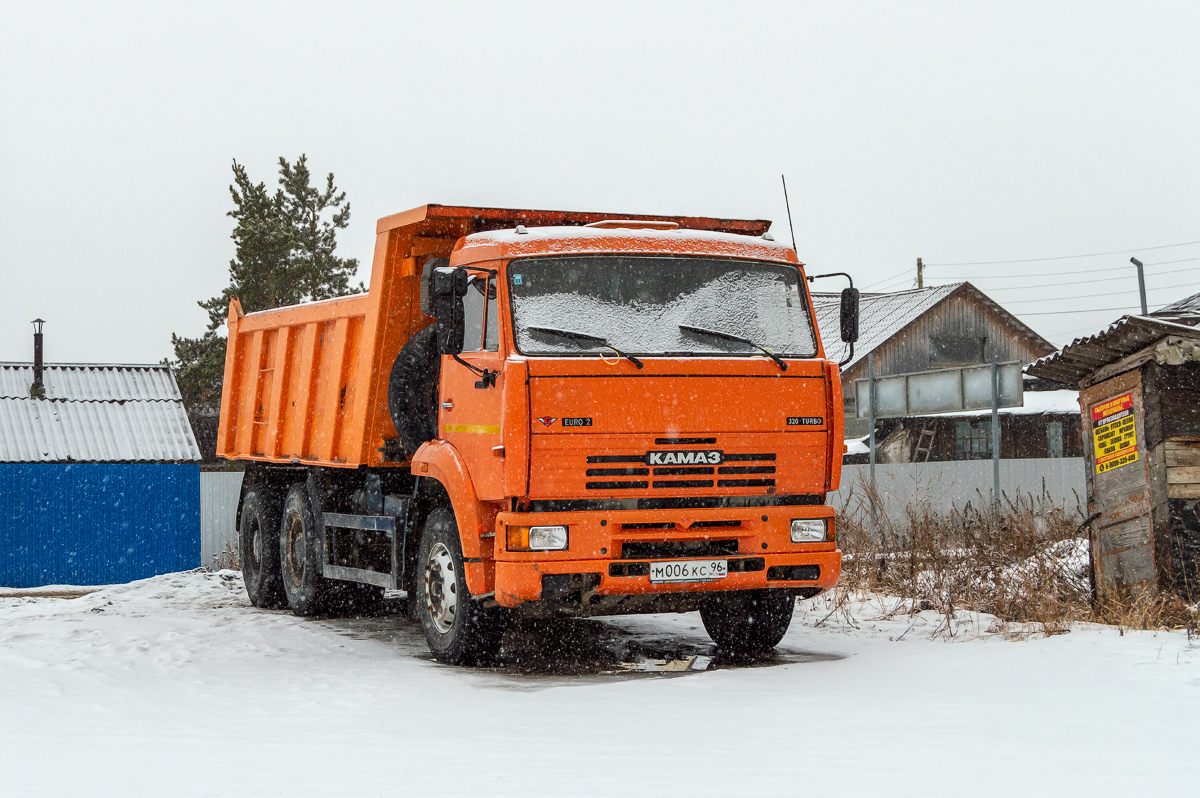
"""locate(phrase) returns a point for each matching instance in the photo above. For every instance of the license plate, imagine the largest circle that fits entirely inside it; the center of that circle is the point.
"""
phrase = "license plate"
(688, 570)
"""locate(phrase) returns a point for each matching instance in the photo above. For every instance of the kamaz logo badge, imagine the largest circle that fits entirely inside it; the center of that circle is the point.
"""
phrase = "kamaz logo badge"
(547, 420)
(712, 457)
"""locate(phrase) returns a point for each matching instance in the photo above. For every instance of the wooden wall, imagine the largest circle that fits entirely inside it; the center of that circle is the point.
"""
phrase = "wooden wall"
(1022, 437)
(1147, 530)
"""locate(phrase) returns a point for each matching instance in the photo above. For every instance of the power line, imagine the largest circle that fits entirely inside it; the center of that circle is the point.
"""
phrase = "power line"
(1090, 296)
(1089, 310)
(1078, 282)
(1065, 257)
(904, 273)
(1076, 272)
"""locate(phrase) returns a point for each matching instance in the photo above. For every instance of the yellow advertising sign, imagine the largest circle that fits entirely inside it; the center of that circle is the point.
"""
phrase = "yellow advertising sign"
(1114, 433)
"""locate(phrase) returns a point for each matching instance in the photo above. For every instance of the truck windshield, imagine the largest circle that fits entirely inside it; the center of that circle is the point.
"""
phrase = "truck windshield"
(651, 305)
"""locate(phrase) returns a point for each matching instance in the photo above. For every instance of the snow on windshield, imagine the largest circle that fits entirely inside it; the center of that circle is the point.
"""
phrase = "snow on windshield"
(638, 304)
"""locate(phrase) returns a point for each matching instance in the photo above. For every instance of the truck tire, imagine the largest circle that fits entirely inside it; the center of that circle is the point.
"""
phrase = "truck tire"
(747, 622)
(258, 545)
(308, 591)
(458, 628)
(412, 390)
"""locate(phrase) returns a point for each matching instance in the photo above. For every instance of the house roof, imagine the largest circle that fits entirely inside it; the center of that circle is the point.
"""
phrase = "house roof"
(882, 316)
(94, 413)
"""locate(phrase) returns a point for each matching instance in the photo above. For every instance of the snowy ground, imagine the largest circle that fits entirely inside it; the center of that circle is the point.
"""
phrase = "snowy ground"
(175, 686)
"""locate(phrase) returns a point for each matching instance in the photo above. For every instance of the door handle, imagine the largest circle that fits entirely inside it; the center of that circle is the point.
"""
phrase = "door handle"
(447, 405)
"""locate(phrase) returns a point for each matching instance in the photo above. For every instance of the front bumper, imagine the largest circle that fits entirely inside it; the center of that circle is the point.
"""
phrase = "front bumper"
(600, 551)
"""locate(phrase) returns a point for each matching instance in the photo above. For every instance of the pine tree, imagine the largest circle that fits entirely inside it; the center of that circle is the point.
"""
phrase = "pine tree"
(285, 254)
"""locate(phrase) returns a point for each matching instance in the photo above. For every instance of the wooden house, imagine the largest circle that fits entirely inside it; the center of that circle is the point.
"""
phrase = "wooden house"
(924, 328)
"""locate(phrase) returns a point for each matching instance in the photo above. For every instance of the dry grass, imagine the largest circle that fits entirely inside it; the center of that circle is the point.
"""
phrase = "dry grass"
(1028, 566)
(229, 558)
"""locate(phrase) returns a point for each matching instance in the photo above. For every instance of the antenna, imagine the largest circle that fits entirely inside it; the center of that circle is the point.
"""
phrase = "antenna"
(789, 210)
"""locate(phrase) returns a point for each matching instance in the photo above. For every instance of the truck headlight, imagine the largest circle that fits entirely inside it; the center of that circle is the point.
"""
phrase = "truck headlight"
(536, 538)
(808, 530)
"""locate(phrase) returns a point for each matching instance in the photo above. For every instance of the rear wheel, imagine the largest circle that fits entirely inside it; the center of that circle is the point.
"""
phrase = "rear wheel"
(747, 621)
(458, 628)
(258, 545)
(308, 591)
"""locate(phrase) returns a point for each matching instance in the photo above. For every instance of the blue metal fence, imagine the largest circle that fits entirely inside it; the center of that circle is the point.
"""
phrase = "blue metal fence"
(97, 523)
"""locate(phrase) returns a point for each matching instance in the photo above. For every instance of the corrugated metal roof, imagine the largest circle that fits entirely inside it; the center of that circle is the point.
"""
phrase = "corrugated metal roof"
(94, 413)
(83, 382)
(880, 316)
(1186, 310)
(1126, 336)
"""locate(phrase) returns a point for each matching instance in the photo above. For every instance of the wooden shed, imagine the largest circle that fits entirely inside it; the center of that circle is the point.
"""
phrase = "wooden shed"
(924, 328)
(1139, 384)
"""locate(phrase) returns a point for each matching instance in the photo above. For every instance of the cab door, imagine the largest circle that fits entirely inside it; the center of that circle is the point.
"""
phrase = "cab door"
(471, 389)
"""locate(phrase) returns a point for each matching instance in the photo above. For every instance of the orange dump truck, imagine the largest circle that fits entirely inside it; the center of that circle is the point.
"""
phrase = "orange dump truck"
(543, 412)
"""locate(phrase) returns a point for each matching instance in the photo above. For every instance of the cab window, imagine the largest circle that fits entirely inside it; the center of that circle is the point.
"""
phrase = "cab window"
(480, 323)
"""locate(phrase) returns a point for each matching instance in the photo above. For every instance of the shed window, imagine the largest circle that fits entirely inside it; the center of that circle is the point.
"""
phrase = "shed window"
(1054, 439)
(952, 350)
(972, 441)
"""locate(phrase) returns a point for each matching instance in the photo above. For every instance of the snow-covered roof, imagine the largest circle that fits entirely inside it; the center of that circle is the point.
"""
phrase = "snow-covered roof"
(1185, 311)
(94, 413)
(882, 316)
(1124, 337)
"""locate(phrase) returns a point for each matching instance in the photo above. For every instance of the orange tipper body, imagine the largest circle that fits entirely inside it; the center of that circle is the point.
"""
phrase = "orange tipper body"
(689, 456)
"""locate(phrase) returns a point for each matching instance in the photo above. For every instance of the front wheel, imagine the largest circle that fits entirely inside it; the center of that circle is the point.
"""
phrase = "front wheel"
(458, 628)
(747, 622)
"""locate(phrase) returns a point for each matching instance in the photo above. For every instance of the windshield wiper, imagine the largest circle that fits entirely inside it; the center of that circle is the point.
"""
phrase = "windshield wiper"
(581, 336)
(738, 339)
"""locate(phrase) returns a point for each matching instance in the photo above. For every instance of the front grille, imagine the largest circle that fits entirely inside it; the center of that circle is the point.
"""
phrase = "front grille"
(616, 485)
(683, 483)
(667, 549)
(794, 573)
(638, 465)
(668, 503)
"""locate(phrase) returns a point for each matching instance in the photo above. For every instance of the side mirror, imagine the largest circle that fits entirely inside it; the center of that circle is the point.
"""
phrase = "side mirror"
(448, 288)
(449, 282)
(850, 315)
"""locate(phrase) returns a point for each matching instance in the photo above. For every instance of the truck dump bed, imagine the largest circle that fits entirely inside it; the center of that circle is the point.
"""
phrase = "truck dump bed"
(307, 384)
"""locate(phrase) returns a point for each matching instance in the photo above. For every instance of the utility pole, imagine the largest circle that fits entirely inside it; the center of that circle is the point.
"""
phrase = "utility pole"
(871, 406)
(920, 274)
(1141, 283)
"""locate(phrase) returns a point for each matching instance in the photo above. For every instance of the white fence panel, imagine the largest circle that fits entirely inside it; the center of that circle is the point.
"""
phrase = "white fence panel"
(957, 483)
(219, 491)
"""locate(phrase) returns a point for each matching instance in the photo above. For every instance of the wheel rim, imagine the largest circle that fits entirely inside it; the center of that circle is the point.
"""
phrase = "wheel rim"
(439, 588)
(254, 555)
(295, 550)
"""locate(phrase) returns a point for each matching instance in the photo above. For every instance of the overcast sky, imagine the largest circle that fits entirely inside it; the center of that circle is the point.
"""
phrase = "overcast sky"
(954, 132)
